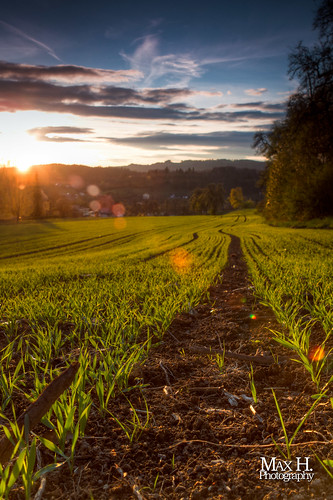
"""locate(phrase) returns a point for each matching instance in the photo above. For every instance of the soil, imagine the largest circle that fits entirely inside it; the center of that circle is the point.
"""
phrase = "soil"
(205, 437)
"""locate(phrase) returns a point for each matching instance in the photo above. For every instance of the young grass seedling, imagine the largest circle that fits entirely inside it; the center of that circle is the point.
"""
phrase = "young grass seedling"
(155, 482)
(10, 473)
(252, 386)
(327, 465)
(220, 361)
(133, 428)
(287, 440)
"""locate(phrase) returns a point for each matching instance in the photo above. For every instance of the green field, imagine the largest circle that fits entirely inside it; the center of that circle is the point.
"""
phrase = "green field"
(138, 273)
(102, 291)
(292, 269)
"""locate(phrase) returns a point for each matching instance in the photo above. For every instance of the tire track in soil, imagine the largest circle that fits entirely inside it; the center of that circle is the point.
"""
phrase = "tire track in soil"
(201, 443)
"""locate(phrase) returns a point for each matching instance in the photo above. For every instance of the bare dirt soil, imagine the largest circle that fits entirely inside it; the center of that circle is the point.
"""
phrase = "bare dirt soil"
(203, 440)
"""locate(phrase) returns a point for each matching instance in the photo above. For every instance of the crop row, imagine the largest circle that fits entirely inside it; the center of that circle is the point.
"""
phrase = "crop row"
(292, 272)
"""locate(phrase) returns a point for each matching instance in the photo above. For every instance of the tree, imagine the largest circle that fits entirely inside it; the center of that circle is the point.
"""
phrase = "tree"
(198, 202)
(299, 149)
(208, 200)
(324, 20)
(236, 197)
(5, 190)
(215, 198)
(37, 200)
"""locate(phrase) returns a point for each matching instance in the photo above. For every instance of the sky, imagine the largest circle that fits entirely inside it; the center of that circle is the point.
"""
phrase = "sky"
(114, 83)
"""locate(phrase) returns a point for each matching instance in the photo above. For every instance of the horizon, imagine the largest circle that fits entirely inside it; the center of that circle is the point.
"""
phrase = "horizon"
(162, 163)
(113, 85)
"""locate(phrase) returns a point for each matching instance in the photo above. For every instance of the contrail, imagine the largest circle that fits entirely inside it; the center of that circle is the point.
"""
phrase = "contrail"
(27, 37)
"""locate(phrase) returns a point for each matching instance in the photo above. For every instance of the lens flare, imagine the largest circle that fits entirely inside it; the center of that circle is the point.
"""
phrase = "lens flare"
(316, 353)
(95, 205)
(93, 190)
(253, 316)
(118, 210)
(181, 260)
(119, 223)
(76, 182)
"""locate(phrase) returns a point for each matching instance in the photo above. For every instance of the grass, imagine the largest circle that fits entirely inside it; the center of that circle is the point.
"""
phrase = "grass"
(90, 291)
(252, 386)
(289, 440)
(102, 293)
(292, 272)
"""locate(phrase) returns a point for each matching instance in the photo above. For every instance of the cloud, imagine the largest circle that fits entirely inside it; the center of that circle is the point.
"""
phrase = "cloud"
(42, 133)
(207, 93)
(54, 89)
(86, 100)
(165, 140)
(236, 52)
(143, 56)
(255, 91)
(178, 68)
(165, 95)
(118, 102)
(64, 73)
(241, 116)
(261, 105)
(25, 36)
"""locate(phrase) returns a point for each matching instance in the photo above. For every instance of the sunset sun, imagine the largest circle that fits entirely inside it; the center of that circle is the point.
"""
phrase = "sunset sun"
(23, 167)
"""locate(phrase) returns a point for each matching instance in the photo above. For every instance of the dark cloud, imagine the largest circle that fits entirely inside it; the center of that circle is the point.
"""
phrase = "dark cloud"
(166, 95)
(42, 133)
(26, 88)
(240, 116)
(116, 102)
(164, 140)
(63, 72)
(88, 100)
(261, 105)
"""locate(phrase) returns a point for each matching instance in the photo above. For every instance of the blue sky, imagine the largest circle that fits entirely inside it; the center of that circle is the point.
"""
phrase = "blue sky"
(113, 83)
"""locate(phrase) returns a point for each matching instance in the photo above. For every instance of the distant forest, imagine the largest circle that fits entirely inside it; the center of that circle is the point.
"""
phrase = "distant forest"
(168, 188)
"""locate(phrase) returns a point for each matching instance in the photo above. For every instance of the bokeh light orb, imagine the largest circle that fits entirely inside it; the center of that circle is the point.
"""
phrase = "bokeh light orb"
(118, 210)
(95, 205)
(76, 182)
(119, 223)
(316, 353)
(93, 190)
(181, 260)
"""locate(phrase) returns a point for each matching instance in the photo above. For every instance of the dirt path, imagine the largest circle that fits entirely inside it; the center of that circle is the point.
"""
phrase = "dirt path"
(202, 440)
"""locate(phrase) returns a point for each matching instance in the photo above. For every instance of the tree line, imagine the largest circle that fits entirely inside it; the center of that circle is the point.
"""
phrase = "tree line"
(298, 179)
(75, 190)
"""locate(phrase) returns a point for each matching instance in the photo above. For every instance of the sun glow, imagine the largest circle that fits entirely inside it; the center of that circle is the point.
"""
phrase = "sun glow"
(22, 161)
(23, 168)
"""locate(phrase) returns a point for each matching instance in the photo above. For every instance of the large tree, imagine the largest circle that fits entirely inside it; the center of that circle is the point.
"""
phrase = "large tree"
(299, 149)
